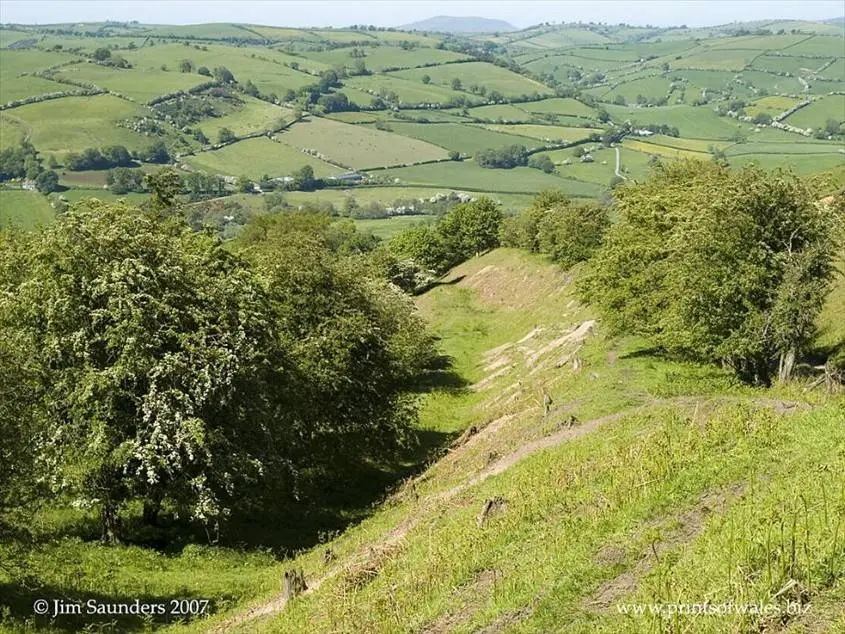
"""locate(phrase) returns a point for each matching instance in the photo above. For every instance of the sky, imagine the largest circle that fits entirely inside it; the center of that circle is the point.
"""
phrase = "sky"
(520, 13)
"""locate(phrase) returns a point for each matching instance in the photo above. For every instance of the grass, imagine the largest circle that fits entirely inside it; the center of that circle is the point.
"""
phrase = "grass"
(382, 57)
(559, 106)
(254, 115)
(409, 92)
(772, 106)
(819, 45)
(24, 209)
(546, 133)
(697, 122)
(467, 139)
(139, 85)
(75, 123)
(269, 74)
(731, 59)
(12, 130)
(505, 112)
(386, 228)
(479, 73)
(653, 88)
(359, 147)
(14, 85)
(256, 157)
(730, 472)
(816, 114)
(469, 176)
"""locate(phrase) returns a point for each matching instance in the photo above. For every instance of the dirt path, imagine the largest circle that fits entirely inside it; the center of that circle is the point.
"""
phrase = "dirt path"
(618, 160)
(396, 535)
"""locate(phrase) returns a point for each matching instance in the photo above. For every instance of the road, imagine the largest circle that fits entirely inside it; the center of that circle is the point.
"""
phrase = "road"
(622, 176)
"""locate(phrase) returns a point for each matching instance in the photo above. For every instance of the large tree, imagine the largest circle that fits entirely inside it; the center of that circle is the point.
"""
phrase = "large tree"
(716, 264)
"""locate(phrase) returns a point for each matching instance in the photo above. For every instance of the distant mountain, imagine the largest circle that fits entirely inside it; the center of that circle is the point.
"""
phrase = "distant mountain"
(455, 24)
(840, 21)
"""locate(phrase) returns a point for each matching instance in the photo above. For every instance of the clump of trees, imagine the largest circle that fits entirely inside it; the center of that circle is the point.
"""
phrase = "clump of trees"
(466, 230)
(717, 265)
(196, 380)
(122, 180)
(565, 231)
(95, 159)
(19, 162)
(503, 158)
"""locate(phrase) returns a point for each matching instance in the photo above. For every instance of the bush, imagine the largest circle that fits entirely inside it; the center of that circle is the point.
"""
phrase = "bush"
(47, 182)
(569, 234)
(714, 264)
(504, 158)
(542, 162)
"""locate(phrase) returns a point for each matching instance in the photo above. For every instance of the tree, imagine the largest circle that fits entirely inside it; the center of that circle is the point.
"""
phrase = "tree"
(245, 185)
(603, 115)
(456, 84)
(303, 179)
(155, 153)
(504, 158)
(619, 100)
(186, 66)
(426, 79)
(542, 162)
(47, 182)
(203, 70)
(223, 74)
(715, 264)
(32, 166)
(250, 89)
(225, 135)
(122, 180)
(164, 187)
(762, 118)
(570, 233)
(52, 163)
(146, 408)
(470, 229)
(101, 54)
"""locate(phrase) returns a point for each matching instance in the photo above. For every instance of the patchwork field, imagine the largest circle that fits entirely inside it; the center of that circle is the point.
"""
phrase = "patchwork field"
(359, 147)
(423, 96)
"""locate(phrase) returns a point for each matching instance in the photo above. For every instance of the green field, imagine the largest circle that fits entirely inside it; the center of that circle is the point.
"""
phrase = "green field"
(386, 228)
(477, 73)
(467, 139)
(367, 88)
(256, 157)
(75, 123)
(570, 107)
(138, 85)
(15, 85)
(471, 177)
(545, 133)
(254, 115)
(380, 57)
(692, 122)
(24, 209)
(12, 130)
(817, 113)
(359, 147)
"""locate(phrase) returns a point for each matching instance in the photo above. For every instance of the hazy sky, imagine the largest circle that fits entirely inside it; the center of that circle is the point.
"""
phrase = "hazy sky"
(520, 13)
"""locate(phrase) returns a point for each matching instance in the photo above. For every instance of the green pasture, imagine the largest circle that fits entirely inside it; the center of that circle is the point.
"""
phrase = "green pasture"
(477, 73)
(138, 85)
(408, 90)
(820, 44)
(386, 228)
(469, 176)
(816, 114)
(254, 115)
(381, 57)
(259, 156)
(12, 130)
(359, 147)
(545, 133)
(559, 106)
(699, 122)
(75, 123)
(503, 112)
(24, 209)
(467, 139)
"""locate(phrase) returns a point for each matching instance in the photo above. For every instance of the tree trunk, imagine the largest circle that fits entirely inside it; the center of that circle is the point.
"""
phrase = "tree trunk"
(108, 516)
(786, 365)
(151, 510)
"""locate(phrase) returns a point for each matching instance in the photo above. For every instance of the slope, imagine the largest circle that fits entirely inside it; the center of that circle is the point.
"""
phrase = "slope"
(590, 476)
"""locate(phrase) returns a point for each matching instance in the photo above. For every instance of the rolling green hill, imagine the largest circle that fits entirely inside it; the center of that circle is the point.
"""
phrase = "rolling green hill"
(397, 98)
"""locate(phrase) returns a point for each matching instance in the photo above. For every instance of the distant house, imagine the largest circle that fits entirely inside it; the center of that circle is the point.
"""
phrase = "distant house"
(643, 132)
(587, 158)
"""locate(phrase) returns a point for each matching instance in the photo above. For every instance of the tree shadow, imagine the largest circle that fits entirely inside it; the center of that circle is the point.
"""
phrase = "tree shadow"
(440, 375)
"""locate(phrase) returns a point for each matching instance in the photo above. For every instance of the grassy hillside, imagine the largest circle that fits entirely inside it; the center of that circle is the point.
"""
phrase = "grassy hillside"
(647, 483)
